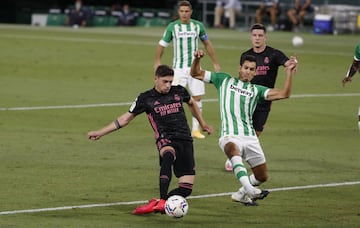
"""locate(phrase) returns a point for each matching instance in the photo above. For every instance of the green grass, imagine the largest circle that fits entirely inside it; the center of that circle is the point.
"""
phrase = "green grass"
(46, 160)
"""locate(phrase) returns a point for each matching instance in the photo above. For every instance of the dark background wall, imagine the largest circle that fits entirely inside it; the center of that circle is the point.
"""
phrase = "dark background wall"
(19, 11)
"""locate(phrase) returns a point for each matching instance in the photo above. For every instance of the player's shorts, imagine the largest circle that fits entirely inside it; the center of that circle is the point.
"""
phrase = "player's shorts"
(182, 77)
(184, 151)
(249, 146)
(259, 119)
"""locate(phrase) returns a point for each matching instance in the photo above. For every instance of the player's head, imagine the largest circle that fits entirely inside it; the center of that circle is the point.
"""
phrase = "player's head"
(164, 70)
(164, 76)
(258, 26)
(258, 35)
(184, 11)
(247, 68)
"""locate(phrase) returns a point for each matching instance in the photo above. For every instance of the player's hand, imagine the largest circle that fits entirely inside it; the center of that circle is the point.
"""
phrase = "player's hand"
(293, 59)
(209, 129)
(199, 54)
(345, 80)
(291, 69)
(94, 135)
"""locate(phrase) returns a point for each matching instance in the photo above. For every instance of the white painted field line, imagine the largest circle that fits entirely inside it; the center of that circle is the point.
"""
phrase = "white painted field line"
(65, 106)
(129, 103)
(190, 197)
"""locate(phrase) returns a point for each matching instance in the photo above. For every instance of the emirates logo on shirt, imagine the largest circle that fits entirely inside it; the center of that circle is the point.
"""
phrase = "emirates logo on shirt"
(168, 109)
(262, 70)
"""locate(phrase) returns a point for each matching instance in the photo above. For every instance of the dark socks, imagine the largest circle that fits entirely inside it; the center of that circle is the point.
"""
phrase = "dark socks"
(165, 173)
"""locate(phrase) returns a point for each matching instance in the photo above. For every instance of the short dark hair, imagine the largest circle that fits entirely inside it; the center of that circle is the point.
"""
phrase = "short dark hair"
(246, 57)
(258, 26)
(164, 70)
(184, 3)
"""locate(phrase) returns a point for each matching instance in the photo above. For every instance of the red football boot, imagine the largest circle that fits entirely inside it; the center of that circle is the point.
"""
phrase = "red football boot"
(146, 208)
(160, 206)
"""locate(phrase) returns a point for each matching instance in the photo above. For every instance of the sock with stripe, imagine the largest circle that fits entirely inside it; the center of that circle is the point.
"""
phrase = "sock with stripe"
(240, 173)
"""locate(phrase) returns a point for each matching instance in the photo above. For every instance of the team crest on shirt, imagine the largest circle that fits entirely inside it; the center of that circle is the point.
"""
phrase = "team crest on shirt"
(266, 60)
(176, 97)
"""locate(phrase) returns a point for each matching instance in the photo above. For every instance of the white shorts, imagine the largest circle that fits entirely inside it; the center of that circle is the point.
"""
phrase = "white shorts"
(182, 77)
(249, 146)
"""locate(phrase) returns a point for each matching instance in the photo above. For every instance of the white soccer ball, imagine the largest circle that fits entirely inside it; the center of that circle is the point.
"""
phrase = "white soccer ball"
(228, 165)
(297, 41)
(176, 206)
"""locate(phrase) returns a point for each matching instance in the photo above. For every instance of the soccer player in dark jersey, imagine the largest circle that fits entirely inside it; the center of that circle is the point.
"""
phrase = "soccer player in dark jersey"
(268, 60)
(163, 106)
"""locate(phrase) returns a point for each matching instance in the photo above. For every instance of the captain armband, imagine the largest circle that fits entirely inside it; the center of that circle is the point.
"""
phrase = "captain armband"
(117, 124)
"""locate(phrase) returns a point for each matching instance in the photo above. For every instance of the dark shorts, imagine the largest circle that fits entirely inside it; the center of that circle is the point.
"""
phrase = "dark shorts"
(184, 150)
(259, 119)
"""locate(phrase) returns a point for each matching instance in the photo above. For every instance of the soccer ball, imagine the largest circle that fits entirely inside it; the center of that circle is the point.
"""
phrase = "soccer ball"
(176, 206)
(297, 41)
(228, 165)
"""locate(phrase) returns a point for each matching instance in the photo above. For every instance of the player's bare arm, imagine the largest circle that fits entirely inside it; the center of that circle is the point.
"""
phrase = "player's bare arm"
(355, 66)
(158, 54)
(211, 51)
(277, 94)
(195, 70)
(118, 123)
(195, 111)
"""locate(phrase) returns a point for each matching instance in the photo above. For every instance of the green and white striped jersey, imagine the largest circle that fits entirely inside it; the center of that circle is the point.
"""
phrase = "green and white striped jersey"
(237, 101)
(185, 39)
(357, 52)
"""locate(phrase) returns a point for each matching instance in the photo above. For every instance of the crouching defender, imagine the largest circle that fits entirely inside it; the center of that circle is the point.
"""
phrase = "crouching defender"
(163, 105)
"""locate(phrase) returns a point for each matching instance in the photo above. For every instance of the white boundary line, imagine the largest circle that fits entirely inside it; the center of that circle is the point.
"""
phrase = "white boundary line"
(190, 197)
(129, 103)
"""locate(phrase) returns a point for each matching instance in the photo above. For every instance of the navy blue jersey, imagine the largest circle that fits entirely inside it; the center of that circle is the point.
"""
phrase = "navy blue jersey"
(267, 63)
(165, 112)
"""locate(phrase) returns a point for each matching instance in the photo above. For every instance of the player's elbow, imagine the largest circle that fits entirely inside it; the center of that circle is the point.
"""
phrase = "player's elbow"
(194, 73)
(286, 95)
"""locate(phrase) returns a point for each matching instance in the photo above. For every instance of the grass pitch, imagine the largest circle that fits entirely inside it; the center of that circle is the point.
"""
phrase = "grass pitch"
(58, 83)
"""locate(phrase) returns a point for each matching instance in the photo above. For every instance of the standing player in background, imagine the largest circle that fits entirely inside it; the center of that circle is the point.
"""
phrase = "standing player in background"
(163, 105)
(355, 66)
(185, 34)
(268, 60)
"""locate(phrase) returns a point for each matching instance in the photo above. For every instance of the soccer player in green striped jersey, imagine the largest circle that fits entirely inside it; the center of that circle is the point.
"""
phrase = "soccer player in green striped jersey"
(185, 34)
(237, 100)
